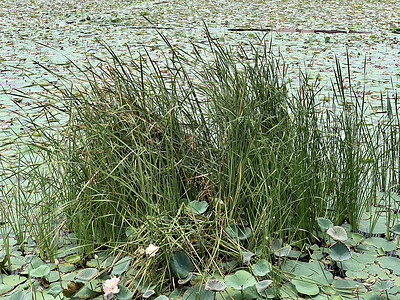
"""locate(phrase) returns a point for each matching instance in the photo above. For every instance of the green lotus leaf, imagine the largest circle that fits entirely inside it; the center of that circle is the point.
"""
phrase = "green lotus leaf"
(41, 271)
(337, 233)
(215, 285)
(261, 268)
(197, 207)
(324, 224)
(240, 280)
(162, 297)
(96, 285)
(66, 267)
(4, 288)
(55, 290)
(238, 232)
(198, 292)
(388, 262)
(180, 264)
(345, 285)
(396, 229)
(86, 274)
(13, 280)
(339, 252)
(121, 266)
(358, 238)
(124, 293)
(382, 285)
(247, 257)
(148, 294)
(185, 280)
(284, 251)
(85, 293)
(305, 287)
(73, 259)
(380, 242)
(261, 286)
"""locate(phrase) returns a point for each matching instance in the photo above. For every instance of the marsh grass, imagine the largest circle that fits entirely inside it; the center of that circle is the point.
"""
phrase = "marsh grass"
(142, 138)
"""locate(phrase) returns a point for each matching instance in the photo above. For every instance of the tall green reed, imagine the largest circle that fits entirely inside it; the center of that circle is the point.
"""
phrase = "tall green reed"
(216, 124)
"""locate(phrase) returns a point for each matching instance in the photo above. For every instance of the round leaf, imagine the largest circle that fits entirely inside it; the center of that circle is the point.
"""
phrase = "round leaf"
(86, 274)
(41, 271)
(261, 268)
(238, 232)
(148, 294)
(240, 280)
(247, 257)
(324, 224)
(180, 264)
(197, 207)
(358, 238)
(339, 252)
(305, 287)
(261, 286)
(396, 229)
(121, 266)
(215, 285)
(185, 280)
(338, 233)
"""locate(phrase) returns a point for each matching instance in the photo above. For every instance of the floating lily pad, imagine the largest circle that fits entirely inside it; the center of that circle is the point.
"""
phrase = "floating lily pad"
(261, 286)
(180, 264)
(41, 271)
(391, 263)
(337, 233)
(261, 268)
(86, 274)
(324, 224)
(121, 266)
(240, 280)
(13, 280)
(358, 238)
(215, 285)
(339, 252)
(247, 257)
(305, 287)
(238, 232)
(382, 285)
(380, 242)
(197, 207)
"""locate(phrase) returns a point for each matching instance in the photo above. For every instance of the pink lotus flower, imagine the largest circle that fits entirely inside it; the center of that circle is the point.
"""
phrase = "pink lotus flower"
(111, 286)
(4, 126)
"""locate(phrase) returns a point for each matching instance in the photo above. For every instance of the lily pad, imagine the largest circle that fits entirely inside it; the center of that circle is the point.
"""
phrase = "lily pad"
(324, 224)
(197, 207)
(238, 232)
(41, 271)
(261, 286)
(215, 285)
(380, 242)
(240, 280)
(305, 287)
(261, 268)
(247, 257)
(86, 274)
(180, 264)
(337, 233)
(121, 266)
(339, 252)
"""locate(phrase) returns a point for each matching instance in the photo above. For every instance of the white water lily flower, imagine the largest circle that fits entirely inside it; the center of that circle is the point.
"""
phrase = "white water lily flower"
(111, 286)
(151, 250)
